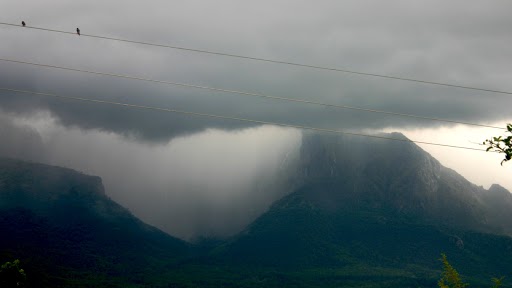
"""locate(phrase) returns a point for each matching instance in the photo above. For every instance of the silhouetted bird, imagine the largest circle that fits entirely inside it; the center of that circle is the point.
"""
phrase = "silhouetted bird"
(78, 31)
(23, 23)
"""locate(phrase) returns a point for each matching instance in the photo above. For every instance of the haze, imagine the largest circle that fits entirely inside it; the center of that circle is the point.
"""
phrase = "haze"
(194, 176)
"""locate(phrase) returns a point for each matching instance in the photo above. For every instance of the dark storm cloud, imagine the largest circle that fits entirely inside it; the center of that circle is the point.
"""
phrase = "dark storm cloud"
(456, 42)
(216, 182)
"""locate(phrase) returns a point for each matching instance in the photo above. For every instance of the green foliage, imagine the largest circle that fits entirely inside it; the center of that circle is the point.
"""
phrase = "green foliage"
(501, 144)
(450, 278)
(11, 275)
(497, 282)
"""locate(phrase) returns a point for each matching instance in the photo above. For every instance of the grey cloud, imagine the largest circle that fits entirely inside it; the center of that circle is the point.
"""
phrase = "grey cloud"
(190, 193)
(19, 141)
(459, 42)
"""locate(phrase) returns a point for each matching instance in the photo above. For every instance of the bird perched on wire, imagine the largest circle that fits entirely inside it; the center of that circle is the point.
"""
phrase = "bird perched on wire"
(23, 23)
(78, 31)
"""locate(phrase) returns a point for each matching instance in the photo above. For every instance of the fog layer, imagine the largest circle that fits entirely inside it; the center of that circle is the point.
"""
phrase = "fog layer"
(210, 184)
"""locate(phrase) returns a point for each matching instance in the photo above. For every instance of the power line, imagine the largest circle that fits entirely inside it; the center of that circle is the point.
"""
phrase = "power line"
(317, 67)
(303, 101)
(199, 114)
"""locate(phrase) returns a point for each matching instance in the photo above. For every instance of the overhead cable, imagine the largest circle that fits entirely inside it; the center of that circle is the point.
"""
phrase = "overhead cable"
(296, 64)
(199, 114)
(303, 101)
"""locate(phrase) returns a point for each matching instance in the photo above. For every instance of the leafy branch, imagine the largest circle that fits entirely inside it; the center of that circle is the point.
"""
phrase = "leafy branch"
(11, 275)
(501, 144)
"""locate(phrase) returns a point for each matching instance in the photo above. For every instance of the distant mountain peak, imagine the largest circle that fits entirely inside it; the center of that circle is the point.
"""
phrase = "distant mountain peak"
(62, 219)
(337, 171)
(498, 189)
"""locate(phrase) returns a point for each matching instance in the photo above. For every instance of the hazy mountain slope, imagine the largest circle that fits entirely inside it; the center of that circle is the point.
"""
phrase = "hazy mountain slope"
(402, 177)
(68, 232)
(363, 214)
(365, 204)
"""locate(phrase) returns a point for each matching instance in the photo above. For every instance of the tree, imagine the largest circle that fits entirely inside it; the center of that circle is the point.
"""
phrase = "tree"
(11, 275)
(497, 282)
(450, 277)
(501, 144)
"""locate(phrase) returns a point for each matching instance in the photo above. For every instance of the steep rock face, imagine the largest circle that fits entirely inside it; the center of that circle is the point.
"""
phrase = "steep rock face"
(498, 201)
(369, 203)
(64, 228)
(399, 176)
(40, 187)
(375, 171)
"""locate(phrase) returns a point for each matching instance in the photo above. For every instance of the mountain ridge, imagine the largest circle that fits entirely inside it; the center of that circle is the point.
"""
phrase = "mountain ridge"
(63, 226)
(401, 174)
(360, 206)
(375, 214)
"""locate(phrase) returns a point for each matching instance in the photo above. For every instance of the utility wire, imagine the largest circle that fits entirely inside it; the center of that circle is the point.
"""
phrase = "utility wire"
(317, 67)
(303, 101)
(152, 108)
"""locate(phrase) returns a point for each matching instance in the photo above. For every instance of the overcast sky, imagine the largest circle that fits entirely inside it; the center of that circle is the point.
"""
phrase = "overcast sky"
(459, 42)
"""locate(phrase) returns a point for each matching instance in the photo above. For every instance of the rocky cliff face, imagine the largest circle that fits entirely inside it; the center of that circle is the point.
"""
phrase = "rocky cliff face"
(398, 176)
(64, 228)
(361, 204)
(38, 187)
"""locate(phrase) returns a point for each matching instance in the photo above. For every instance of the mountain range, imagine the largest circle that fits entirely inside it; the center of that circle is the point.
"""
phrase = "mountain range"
(361, 214)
